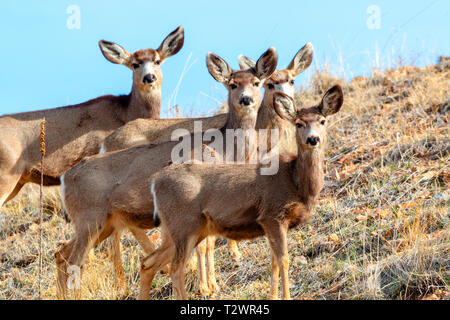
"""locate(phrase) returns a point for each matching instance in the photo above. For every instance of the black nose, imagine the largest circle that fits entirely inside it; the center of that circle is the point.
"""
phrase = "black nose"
(313, 140)
(246, 101)
(149, 78)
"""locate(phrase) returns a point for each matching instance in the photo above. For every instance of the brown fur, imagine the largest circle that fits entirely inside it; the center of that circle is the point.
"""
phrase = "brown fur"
(267, 118)
(109, 191)
(235, 201)
(144, 131)
(72, 132)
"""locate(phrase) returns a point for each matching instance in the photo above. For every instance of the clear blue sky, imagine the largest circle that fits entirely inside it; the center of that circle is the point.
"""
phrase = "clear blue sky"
(44, 64)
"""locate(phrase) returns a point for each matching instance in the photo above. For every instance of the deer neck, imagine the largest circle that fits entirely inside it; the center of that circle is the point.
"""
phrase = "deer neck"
(307, 173)
(235, 121)
(267, 118)
(144, 104)
(248, 150)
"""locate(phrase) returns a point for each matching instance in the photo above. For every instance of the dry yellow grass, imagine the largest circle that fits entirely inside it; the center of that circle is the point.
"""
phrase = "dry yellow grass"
(380, 230)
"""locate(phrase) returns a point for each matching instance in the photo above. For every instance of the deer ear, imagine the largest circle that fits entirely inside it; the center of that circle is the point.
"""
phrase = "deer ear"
(113, 52)
(172, 43)
(302, 59)
(245, 62)
(332, 101)
(218, 68)
(266, 64)
(284, 106)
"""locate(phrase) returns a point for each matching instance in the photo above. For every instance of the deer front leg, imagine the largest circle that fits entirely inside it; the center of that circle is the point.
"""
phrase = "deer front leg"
(201, 263)
(274, 279)
(285, 275)
(276, 233)
(211, 275)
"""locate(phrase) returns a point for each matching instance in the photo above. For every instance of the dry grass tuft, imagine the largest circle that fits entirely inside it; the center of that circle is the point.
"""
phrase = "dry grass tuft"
(380, 230)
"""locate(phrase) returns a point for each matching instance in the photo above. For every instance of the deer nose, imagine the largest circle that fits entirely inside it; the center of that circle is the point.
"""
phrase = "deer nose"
(246, 101)
(313, 140)
(149, 78)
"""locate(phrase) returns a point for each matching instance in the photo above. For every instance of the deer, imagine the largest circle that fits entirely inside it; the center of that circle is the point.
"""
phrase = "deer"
(282, 80)
(193, 201)
(108, 192)
(144, 131)
(76, 131)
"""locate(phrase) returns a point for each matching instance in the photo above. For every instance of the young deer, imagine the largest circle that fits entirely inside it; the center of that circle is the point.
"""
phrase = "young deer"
(143, 131)
(283, 81)
(75, 132)
(108, 192)
(193, 201)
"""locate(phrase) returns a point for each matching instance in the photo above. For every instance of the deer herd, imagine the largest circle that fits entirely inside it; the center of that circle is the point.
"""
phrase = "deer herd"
(113, 158)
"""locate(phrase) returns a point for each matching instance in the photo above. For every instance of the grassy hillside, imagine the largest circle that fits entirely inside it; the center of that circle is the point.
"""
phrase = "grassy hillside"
(380, 230)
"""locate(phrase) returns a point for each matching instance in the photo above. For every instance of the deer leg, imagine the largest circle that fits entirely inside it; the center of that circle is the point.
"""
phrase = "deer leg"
(9, 187)
(116, 258)
(152, 263)
(61, 258)
(211, 275)
(235, 254)
(148, 246)
(68, 262)
(71, 257)
(182, 251)
(142, 239)
(277, 235)
(77, 256)
(16, 190)
(202, 277)
(274, 279)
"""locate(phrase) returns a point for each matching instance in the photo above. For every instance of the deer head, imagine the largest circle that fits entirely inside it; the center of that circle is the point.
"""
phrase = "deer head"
(283, 80)
(310, 121)
(145, 64)
(244, 86)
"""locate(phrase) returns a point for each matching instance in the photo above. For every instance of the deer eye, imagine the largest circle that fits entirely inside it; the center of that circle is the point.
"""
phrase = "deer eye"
(322, 122)
(270, 86)
(256, 84)
(299, 125)
(158, 62)
(135, 65)
(292, 82)
(233, 86)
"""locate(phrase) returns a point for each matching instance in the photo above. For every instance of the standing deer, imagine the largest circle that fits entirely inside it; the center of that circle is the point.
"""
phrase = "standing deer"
(109, 192)
(193, 201)
(282, 81)
(75, 132)
(144, 131)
